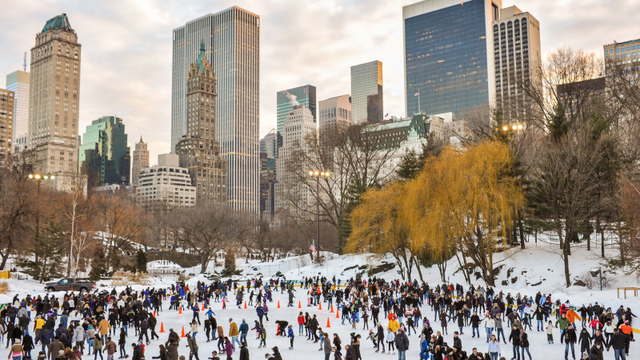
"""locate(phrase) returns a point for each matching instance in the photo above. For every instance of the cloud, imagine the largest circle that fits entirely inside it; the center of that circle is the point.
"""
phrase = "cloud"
(126, 48)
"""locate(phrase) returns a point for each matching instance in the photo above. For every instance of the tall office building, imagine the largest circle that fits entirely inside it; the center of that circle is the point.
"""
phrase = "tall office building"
(288, 194)
(446, 48)
(139, 161)
(7, 104)
(198, 150)
(517, 58)
(54, 97)
(334, 114)
(232, 47)
(288, 99)
(366, 93)
(104, 155)
(18, 82)
(268, 144)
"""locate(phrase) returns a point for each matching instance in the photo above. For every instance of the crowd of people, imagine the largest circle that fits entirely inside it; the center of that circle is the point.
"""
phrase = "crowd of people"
(389, 313)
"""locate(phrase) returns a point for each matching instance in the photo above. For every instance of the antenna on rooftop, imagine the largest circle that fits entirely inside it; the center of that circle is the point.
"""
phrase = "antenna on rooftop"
(24, 62)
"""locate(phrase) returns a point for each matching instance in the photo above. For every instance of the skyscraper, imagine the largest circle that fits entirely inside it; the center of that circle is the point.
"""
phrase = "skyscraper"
(288, 99)
(232, 46)
(139, 161)
(198, 150)
(268, 144)
(18, 82)
(335, 115)
(288, 194)
(54, 97)
(7, 99)
(366, 92)
(517, 57)
(104, 155)
(446, 48)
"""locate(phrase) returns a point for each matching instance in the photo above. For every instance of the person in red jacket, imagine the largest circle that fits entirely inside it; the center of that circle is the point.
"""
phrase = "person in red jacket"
(301, 321)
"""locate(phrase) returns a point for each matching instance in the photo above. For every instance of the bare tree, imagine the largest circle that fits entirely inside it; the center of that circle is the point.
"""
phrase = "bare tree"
(205, 229)
(355, 161)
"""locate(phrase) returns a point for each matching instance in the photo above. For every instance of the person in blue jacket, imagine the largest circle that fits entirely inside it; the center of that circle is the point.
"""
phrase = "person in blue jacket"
(424, 348)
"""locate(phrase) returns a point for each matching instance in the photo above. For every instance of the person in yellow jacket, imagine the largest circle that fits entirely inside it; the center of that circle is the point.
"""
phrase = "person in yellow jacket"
(234, 333)
(104, 327)
(393, 325)
(37, 325)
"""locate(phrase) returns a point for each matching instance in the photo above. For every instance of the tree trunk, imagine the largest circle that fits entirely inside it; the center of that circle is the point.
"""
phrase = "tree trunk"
(204, 263)
(418, 267)
(602, 243)
(621, 243)
(521, 228)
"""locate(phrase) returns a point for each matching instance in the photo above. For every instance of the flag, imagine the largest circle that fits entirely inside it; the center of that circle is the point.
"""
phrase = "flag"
(416, 94)
(312, 247)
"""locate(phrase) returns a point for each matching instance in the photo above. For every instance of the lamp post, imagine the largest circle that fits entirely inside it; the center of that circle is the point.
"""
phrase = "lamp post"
(39, 178)
(318, 174)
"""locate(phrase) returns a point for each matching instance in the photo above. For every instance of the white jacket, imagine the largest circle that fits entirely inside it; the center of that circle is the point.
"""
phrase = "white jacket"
(489, 323)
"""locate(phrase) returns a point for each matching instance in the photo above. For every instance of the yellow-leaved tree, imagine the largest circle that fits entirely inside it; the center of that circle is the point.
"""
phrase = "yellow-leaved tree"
(461, 204)
(379, 229)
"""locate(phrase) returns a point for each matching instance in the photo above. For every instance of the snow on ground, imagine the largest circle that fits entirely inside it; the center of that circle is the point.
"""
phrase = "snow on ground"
(536, 264)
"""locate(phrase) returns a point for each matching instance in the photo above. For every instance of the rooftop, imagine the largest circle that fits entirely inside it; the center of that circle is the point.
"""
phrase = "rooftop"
(60, 22)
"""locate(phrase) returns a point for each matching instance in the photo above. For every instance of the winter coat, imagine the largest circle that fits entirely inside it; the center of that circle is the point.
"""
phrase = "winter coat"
(402, 342)
(233, 329)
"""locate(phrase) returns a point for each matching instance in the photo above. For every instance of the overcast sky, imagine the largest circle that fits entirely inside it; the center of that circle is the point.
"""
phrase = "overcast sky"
(126, 47)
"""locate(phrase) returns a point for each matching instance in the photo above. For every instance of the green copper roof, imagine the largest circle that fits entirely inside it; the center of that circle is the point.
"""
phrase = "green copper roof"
(60, 22)
(200, 58)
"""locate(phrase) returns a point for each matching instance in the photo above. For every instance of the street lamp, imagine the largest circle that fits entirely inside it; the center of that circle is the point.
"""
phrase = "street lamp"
(39, 178)
(318, 174)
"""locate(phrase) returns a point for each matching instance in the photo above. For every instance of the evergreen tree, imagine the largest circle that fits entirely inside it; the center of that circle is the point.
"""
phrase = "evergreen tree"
(141, 261)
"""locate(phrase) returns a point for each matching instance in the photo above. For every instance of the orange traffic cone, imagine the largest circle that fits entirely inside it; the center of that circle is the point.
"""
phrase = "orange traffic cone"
(180, 310)
(245, 305)
(202, 306)
(278, 304)
(154, 313)
(338, 314)
(161, 327)
(182, 335)
(332, 308)
(320, 306)
(328, 323)
(299, 304)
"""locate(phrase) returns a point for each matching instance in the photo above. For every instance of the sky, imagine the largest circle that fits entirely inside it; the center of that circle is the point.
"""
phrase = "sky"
(127, 45)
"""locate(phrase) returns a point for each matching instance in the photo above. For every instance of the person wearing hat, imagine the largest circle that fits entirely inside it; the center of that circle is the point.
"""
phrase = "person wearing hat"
(214, 356)
(268, 356)
(402, 344)
(244, 352)
(618, 342)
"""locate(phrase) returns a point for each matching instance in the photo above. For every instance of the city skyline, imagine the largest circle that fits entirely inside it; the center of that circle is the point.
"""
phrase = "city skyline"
(127, 68)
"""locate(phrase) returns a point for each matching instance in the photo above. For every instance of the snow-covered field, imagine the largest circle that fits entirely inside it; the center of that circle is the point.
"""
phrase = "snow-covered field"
(540, 264)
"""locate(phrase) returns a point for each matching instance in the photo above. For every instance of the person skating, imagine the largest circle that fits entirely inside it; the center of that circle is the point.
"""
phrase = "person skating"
(570, 338)
(291, 336)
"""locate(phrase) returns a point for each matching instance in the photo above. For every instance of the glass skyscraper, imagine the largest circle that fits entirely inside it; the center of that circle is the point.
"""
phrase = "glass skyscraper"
(232, 46)
(366, 92)
(104, 155)
(446, 45)
(288, 99)
(18, 82)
